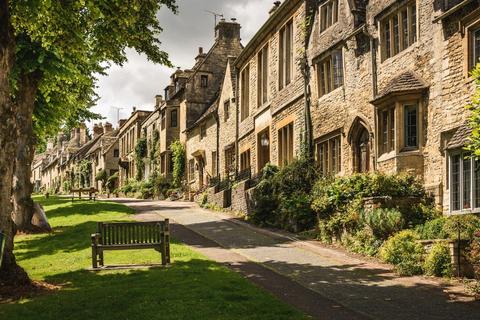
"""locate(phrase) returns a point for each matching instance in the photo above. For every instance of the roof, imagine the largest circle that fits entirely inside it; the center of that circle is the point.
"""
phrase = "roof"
(105, 140)
(86, 147)
(233, 72)
(460, 138)
(404, 83)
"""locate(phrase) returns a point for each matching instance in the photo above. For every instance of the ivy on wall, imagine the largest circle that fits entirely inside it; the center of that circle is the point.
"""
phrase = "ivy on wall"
(178, 158)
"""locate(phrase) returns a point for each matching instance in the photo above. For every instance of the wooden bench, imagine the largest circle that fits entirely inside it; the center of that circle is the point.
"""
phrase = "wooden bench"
(92, 193)
(131, 235)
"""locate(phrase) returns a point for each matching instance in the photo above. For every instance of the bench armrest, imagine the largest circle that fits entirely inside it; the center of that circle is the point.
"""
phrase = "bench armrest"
(96, 238)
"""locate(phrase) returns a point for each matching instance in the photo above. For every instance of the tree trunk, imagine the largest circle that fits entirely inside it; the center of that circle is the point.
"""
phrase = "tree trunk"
(22, 187)
(10, 272)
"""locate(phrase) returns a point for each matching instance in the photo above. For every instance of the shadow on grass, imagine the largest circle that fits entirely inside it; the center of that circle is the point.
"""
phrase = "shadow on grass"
(194, 289)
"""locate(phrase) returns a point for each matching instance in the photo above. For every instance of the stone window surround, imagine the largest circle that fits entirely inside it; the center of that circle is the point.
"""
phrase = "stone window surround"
(328, 138)
(389, 12)
(245, 160)
(285, 142)
(245, 92)
(320, 60)
(469, 25)
(400, 101)
(335, 14)
(474, 208)
(173, 119)
(263, 59)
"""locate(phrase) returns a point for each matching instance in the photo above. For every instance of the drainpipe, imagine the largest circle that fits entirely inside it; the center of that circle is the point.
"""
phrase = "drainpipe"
(237, 123)
(217, 120)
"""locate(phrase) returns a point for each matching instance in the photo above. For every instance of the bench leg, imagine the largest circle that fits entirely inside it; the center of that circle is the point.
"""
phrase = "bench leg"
(100, 255)
(94, 257)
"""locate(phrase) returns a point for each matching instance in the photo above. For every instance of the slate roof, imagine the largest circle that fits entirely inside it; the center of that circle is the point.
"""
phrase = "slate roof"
(460, 137)
(405, 82)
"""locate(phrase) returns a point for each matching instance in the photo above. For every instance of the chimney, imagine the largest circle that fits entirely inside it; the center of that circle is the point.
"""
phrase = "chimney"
(82, 134)
(49, 144)
(227, 30)
(121, 122)
(134, 110)
(107, 127)
(276, 5)
(158, 101)
(97, 130)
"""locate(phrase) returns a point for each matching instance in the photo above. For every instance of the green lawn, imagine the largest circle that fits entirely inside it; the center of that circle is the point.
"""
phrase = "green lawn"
(193, 287)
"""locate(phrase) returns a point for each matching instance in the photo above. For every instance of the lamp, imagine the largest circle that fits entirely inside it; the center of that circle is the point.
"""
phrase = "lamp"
(264, 141)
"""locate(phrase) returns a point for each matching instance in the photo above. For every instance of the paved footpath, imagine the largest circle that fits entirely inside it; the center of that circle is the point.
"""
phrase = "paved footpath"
(341, 285)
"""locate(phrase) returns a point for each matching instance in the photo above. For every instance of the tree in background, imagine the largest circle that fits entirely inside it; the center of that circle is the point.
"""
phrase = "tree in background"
(50, 51)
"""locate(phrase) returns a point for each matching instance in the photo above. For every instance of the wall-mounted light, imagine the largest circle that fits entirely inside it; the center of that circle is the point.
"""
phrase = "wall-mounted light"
(264, 141)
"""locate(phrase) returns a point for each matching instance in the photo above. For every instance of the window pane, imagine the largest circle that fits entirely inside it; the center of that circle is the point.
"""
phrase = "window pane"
(337, 69)
(411, 130)
(388, 52)
(384, 130)
(455, 189)
(476, 175)
(413, 30)
(396, 35)
(467, 183)
(405, 29)
(476, 47)
(392, 129)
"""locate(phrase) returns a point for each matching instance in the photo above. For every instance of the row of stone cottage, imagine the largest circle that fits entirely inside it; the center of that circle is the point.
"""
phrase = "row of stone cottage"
(377, 85)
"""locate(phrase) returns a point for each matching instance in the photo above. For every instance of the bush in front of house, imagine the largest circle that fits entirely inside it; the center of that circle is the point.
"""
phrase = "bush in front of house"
(404, 252)
(438, 261)
(363, 242)
(433, 229)
(265, 198)
(467, 224)
(383, 222)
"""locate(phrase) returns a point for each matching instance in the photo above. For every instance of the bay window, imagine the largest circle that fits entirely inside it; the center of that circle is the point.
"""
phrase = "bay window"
(464, 177)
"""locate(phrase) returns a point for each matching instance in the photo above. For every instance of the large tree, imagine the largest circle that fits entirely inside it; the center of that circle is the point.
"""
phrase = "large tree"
(52, 49)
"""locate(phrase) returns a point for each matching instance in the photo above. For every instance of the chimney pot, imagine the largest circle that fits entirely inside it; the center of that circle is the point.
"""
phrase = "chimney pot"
(200, 50)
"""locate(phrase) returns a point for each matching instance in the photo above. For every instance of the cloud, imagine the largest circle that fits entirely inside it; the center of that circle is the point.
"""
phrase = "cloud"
(138, 81)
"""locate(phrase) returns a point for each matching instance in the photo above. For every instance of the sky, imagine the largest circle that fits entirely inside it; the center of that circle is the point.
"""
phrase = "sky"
(138, 81)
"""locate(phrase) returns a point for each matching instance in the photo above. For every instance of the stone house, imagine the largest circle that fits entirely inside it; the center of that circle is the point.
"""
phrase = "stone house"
(271, 102)
(103, 154)
(151, 132)
(389, 87)
(129, 133)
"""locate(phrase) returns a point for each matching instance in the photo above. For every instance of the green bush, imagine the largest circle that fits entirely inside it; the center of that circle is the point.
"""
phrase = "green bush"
(294, 213)
(111, 182)
(383, 222)
(438, 261)
(298, 176)
(466, 223)
(178, 159)
(265, 199)
(363, 242)
(433, 229)
(161, 185)
(404, 252)
(101, 176)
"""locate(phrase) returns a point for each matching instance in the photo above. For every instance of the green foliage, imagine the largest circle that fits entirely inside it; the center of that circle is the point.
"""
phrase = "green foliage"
(433, 229)
(438, 261)
(474, 107)
(101, 176)
(161, 186)
(383, 222)
(203, 200)
(363, 242)
(111, 182)
(294, 213)
(140, 154)
(178, 158)
(466, 223)
(265, 199)
(84, 169)
(404, 252)
(473, 255)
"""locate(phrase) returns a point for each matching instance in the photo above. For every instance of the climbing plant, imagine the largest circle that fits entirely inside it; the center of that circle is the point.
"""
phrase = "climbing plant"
(140, 154)
(474, 107)
(178, 158)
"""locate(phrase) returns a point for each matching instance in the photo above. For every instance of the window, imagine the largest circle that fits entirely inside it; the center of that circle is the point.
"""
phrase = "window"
(162, 163)
(229, 160)
(411, 126)
(475, 48)
(116, 153)
(399, 30)
(328, 154)
(214, 163)
(285, 145)
(245, 92)
(191, 169)
(203, 131)
(226, 110)
(330, 73)
(204, 81)
(286, 55)
(262, 76)
(387, 130)
(245, 160)
(173, 118)
(464, 182)
(328, 14)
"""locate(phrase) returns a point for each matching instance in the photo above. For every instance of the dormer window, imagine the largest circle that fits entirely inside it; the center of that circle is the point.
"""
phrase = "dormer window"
(328, 14)
(399, 30)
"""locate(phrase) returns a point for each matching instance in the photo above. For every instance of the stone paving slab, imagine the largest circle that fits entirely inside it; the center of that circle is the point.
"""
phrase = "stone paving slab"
(363, 286)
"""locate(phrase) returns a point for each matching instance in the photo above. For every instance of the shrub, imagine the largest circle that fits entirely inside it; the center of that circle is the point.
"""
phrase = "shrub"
(111, 182)
(178, 159)
(264, 198)
(101, 176)
(298, 176)
(383, 222)
(294, 213)
(203, 200)
(161, 185)
(404, 252)
(363, 242)
(473, 254)
(467, 223)
(438, 261)
(433, 229)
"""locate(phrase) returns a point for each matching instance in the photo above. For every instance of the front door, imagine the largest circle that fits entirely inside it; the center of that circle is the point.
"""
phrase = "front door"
(263, 149)
(362, 152)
